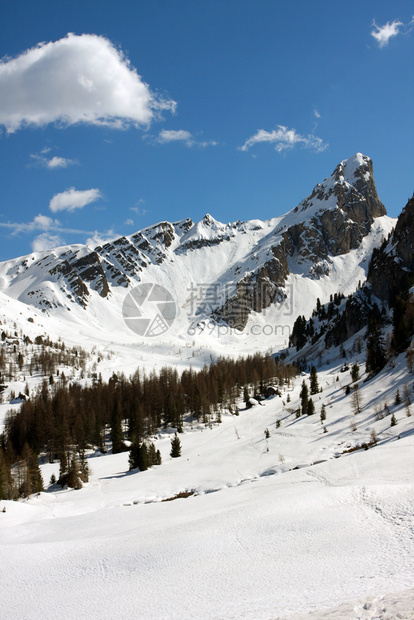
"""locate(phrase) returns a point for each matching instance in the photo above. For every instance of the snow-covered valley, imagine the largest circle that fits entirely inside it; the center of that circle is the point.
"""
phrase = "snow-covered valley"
(276, 527)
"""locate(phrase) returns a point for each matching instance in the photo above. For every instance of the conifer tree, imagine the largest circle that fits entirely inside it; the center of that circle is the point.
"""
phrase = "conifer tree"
(73, 477)
(133, 455)
(63, 467)
(311, 407)
(314, 385)
(152, 455)
(397, 398)
(117, 435)
(375, 348)
(304, 398)
(323, 413)
(143, 457)
(3, 477)
(175, 447)
(356, 400)
(355, 372)
(83, 466)
(36, 481)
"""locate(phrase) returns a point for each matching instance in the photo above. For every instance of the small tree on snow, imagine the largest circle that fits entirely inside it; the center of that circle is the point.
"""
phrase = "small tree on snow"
(356, 400)
(175, 447)
(311, 407)
(355, 372)
(314, 385)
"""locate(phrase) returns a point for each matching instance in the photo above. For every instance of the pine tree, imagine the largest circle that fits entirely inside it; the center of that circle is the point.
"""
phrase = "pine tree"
(314, 385)
(175, 447)
(397, 398)
(375, 349)
(83, 466)
(356, 400)
(3, 477)
(304, 398)
(393, 420)
(311, 407)
(73, 477)
(143, 457)
(355, 372)
(152, 455)
(133, 455)
(36, 481)
(117, 435)
(323, 414)
(63, 467)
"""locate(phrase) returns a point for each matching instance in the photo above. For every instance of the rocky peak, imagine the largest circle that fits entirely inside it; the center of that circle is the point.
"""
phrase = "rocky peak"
(331, 221)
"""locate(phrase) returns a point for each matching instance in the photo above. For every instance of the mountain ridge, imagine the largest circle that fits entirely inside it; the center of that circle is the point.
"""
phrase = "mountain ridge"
(222, 274)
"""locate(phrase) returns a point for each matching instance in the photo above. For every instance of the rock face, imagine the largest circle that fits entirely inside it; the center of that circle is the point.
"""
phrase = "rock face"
(331, 221)
(392, 265)
(249, 261)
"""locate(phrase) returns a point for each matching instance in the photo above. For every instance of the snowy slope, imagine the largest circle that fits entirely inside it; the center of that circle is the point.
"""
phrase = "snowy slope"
(276, 528)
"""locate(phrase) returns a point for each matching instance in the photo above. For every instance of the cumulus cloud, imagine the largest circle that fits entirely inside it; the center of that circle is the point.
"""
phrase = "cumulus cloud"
(46, 241)
(72, 199)
(284, 139)
(53, 162)
(77, 79)
(382, 34)
(181, 135)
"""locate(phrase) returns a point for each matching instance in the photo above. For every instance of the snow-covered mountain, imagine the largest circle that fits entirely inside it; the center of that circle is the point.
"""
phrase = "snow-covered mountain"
(277, 514)
(231, 284)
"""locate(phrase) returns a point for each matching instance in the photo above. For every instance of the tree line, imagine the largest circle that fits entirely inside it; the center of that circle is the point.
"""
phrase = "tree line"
(64, 418)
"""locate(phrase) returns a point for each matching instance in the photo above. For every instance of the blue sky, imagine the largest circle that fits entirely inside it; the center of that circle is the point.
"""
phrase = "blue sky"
(165, 109)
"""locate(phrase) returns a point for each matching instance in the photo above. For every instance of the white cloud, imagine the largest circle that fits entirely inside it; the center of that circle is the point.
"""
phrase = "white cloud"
(129, 222)
(99, 238)
(383, 34)
(316, 113)
(72, 199)
(54, 162)
(59, 162)
(51, 232)
(181, 135)
(138, 209)
(44, 221)
(39, 222)
(284, 139)
(46, 241)
(78, 79)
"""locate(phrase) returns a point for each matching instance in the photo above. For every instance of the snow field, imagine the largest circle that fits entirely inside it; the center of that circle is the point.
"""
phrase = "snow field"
(259, 539)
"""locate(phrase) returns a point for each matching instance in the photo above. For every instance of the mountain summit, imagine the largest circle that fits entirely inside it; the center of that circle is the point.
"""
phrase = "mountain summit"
(331, 221)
